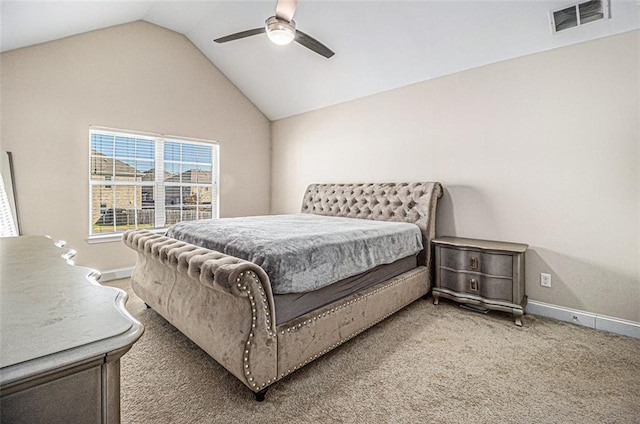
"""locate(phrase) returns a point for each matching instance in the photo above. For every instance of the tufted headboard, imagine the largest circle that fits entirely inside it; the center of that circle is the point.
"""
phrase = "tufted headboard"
(405, 202)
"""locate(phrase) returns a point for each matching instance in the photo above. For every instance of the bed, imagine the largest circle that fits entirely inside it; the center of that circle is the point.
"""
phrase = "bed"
(262, 332)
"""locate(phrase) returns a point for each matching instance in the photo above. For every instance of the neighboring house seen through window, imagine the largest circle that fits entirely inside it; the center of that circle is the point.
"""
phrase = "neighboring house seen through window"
(149, 181)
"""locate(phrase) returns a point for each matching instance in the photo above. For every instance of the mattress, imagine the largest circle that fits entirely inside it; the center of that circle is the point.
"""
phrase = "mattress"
(291, 306)
(304, 252)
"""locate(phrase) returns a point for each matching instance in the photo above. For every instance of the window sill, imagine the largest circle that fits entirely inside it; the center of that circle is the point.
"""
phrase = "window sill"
(116, 237)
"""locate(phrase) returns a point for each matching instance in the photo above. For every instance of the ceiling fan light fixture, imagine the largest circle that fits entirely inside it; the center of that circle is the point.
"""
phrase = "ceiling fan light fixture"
(280, 32)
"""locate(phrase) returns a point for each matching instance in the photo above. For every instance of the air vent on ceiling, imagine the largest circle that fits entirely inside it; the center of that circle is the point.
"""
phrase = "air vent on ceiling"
(579, 14)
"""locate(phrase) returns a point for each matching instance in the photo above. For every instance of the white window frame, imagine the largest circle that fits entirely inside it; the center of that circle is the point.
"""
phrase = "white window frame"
(158, 184)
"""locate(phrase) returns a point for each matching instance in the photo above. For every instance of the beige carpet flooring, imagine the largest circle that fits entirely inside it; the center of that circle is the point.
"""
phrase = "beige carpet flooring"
(425, 364)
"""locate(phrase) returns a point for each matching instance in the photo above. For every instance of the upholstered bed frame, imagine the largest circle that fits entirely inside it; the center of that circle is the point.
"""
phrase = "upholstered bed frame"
(225, 304)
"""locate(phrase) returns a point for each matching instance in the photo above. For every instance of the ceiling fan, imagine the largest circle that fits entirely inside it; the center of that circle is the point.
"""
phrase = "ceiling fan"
(281, 30)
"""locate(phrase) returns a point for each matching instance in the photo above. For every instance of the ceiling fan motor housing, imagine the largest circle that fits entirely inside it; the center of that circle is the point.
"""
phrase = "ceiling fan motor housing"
(280, 31)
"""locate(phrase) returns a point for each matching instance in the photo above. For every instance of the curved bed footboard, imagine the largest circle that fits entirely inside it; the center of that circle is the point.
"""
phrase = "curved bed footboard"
(222, 303)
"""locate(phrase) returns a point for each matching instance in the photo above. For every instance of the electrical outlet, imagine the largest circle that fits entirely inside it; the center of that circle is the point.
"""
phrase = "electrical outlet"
(545, 279)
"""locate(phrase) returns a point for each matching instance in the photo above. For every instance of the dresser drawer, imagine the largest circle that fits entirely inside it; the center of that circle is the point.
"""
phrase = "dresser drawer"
(469, 260)
(481, 285)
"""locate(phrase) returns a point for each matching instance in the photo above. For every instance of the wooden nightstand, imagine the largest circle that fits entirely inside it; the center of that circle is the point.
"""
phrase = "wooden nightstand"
(489, 274)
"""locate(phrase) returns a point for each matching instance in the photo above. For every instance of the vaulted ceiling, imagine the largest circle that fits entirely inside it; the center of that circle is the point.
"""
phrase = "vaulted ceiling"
(379, 45)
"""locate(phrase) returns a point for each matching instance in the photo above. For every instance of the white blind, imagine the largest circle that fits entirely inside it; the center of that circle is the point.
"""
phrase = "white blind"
(150, 181)
(7, 225)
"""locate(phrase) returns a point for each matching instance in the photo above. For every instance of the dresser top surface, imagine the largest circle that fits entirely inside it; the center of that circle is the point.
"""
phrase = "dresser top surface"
(460, 242)
(48, 305)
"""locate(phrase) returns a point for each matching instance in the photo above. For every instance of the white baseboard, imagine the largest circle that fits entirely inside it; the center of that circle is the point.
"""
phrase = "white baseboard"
(115, 274)
(588, 319)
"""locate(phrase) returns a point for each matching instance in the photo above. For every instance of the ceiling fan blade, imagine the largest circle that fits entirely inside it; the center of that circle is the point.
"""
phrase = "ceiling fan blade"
(285, 9)
(313, 44)
(238, 35)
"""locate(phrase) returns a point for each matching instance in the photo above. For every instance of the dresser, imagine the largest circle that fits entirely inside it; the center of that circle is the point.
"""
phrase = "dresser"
(62, 336)
(483, 273)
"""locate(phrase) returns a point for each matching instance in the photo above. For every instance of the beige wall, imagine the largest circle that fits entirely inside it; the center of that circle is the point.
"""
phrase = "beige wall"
(138, 77)
(544, 150)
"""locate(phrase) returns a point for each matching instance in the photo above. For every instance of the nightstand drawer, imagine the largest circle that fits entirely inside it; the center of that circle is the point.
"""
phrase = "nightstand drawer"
(469, 260)
(481, 285)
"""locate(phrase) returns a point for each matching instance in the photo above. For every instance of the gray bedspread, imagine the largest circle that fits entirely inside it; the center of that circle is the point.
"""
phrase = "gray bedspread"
(304, 252)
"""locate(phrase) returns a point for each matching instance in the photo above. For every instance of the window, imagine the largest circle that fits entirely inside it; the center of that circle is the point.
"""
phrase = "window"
(149, 181)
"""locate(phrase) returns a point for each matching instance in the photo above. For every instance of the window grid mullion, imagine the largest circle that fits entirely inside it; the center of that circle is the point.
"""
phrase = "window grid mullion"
(122, 183)
(181, 190)
(159, 198)
(112, 178)
(135, 188)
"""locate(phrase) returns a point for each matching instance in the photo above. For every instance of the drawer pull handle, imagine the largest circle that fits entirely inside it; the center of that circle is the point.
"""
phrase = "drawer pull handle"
(473, 285)
(473, 263)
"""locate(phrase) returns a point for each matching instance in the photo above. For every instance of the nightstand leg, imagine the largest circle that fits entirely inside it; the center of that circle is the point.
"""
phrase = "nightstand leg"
(435, 298)
(517, 316)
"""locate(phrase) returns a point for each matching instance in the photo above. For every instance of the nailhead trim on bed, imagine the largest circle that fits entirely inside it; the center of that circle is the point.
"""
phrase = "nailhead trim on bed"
(332, 310)
(249, 343)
